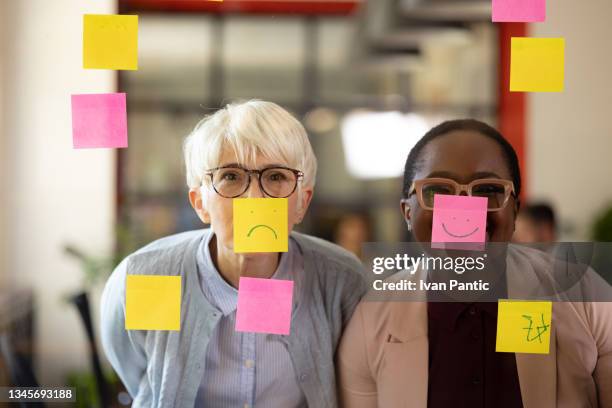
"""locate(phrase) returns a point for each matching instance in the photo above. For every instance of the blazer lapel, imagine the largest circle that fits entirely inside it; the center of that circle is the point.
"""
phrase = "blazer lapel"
(537, 372)
(406, 358)
(538, 376)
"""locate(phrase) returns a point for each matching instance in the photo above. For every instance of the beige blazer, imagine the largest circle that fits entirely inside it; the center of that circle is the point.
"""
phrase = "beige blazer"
(382, 360)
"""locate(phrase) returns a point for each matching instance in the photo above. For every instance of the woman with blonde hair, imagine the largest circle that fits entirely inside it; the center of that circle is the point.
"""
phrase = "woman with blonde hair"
(253, 149)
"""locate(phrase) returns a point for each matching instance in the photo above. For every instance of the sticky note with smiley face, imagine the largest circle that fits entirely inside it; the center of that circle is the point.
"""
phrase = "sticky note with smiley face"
(459, 222)
(261, 225)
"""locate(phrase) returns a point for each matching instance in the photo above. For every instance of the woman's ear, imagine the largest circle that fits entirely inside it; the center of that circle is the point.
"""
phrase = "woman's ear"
(405, 208)
(517, 206)
(197, 202)
(516, 209)
(304, 199)
(406, 212)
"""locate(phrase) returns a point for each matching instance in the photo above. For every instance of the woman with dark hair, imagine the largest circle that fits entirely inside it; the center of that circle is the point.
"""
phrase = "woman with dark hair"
(442, 354)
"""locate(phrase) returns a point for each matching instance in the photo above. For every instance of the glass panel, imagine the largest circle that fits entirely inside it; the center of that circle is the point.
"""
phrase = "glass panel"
(321, 69)
(173, 61)
(263, 58)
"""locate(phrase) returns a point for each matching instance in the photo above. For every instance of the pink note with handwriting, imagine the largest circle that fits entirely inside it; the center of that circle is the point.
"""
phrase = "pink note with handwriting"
(459, 222)
(524, 11)
(264, 305)
(99, 121)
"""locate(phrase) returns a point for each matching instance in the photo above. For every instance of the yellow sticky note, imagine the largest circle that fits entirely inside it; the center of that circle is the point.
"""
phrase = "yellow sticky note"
(152, 302)
(261, 225)
(110, 41)
(523, 326)
(537, 64)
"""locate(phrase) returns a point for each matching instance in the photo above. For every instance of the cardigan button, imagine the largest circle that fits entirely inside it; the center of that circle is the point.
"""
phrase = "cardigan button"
(303, 377)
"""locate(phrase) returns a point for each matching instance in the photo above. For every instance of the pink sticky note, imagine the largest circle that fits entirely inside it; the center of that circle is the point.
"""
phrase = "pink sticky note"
(264, 305)
(99, 120)
(528, 11)
(459, 222)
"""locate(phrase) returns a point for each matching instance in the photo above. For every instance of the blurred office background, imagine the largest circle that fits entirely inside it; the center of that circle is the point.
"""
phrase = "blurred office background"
(366, 77)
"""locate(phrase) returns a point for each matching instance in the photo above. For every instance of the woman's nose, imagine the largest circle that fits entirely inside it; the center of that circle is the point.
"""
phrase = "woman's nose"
(254, 190)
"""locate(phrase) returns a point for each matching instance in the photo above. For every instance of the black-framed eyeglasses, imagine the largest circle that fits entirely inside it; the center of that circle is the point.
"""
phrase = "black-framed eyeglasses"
(233, 181)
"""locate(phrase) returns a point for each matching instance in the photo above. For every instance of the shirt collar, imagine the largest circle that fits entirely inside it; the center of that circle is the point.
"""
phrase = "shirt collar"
(448, 313)
(220, 293)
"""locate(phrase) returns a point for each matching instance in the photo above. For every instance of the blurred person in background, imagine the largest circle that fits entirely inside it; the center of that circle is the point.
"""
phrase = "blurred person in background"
(416, 354)
(536, 224)
(251, 149)
(352, 231)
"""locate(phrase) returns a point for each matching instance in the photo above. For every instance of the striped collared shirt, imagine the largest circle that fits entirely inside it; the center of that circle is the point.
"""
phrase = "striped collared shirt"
(246, 369)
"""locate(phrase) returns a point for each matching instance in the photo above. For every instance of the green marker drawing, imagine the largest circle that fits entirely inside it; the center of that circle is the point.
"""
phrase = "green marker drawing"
(262, 225)
(540, 329)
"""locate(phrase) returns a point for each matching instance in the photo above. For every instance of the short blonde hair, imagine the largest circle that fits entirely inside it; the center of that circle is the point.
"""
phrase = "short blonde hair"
(249, 128)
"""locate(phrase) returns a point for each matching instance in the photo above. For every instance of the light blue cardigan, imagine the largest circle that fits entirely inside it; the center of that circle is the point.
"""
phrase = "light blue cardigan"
(165, 368)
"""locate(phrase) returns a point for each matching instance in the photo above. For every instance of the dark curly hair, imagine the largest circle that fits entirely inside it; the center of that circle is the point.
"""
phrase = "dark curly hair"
(462, 124)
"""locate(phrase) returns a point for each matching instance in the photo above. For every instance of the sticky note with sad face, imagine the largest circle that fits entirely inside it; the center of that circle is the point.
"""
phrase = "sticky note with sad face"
(459, 222)
(261, 225)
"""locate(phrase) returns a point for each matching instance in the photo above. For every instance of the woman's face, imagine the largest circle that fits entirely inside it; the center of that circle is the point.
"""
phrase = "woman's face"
(217, 211)
(462, 156)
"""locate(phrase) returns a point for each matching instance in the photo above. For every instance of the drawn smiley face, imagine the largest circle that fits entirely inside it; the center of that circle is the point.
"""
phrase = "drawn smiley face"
(260, 225)
(455, 223)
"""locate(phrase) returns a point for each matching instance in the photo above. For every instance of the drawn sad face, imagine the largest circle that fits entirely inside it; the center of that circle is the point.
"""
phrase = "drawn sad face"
(458, 219)
(260, 225)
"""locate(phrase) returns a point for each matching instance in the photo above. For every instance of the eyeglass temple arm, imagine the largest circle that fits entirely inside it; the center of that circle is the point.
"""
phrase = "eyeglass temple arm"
(411, 190)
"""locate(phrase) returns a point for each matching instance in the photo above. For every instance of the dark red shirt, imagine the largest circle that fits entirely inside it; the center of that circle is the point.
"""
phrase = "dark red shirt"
(464, 369)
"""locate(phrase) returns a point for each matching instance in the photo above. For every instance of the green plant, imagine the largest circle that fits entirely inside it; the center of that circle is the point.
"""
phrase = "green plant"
(602, 227)
(602, 236)
(84, 384)
(97, 268)
(94, 268)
